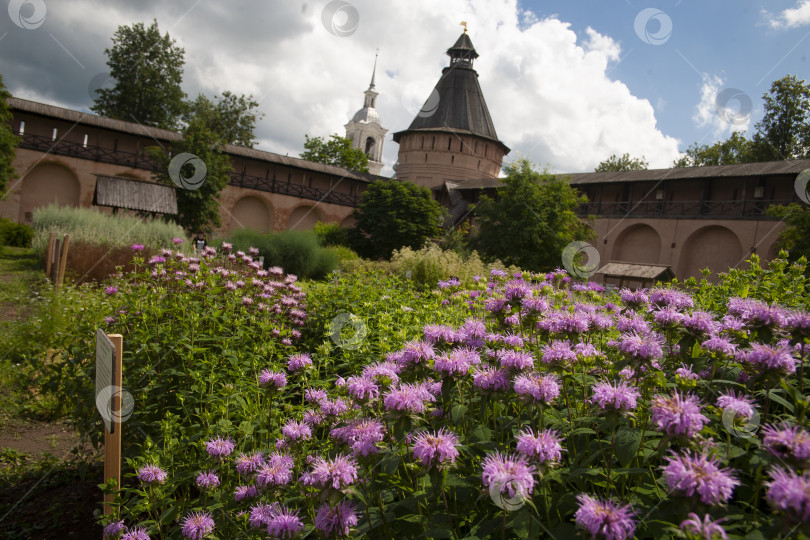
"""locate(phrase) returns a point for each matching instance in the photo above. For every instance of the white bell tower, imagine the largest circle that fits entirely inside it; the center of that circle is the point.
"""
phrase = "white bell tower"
(365, 130)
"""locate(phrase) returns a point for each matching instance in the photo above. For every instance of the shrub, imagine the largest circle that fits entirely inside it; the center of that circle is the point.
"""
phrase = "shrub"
(431, 264)
(93, 227)
(331, 234)
(15, 234)
(297, 252)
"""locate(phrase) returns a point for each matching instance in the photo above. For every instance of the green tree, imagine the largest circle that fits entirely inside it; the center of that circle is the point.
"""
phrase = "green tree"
(393, 214)
(8, 140)
(232, 118)
(795, 238)
(148, 71)
(531, 221)
(197, 209)
(735, 149)
(336, 151)
(623, 163)
(784, 131)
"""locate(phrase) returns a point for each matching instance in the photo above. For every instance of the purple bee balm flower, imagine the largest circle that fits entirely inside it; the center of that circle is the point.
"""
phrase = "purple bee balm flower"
(149, 474)
(604, 518)
(719, 345)
(685, 372)
(362, 435)
(439, 334)
(295, 431)
(284, 523)
(109, 291)
(509, 473)
(362, 388)
(415, 352)
(564, 322)
(798, 323)
(541, 448)
(742, 405)
(198, 525)
(633, 322)
(180, 241)
(138, 533)
(671, 298)
(298, 361)
(337, 520)
(260, 514)
(558, 353)
(245, 492)
(668, 317)
(313, 418)
(383, 372)
(647, 347)
(677, 414)
(137, 247)
(701, 322)
(689, 474)
(458, 362)
(790, 492)
(787, 442)
(541, 388)
(207, 480)
(634, 298)
(336, 473)
(705, 528)
(274, 379)
(246, 464)
(518, 360)
(334, 407)
(277, 471)
(112, 529)
(314, 395)
(219, 447)
(771, 359)
(621, 397)
(496, 305)
(435, 448)
(490, 379)
(472, 333)
(408, 398)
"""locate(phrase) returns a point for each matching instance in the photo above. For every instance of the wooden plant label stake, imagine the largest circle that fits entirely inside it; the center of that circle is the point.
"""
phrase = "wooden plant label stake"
(109, 349)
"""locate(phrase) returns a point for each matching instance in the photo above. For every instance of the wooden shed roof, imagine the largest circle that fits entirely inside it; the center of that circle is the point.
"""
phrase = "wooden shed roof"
(132, 194)
(646, 272)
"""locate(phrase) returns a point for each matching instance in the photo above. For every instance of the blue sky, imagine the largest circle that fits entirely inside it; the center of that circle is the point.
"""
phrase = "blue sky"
(742, 43)
(567, 83)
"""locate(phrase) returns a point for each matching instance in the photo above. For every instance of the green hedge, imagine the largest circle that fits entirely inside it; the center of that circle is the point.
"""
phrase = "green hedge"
(15, 234)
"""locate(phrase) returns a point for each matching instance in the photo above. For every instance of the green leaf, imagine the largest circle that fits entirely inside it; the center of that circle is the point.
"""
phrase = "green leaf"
(626, 444)
(457, 413)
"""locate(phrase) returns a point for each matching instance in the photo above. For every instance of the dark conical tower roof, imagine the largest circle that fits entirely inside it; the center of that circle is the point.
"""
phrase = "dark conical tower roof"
(457, 102)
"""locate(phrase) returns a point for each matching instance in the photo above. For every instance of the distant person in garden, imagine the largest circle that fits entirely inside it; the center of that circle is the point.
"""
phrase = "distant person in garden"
(199, 242)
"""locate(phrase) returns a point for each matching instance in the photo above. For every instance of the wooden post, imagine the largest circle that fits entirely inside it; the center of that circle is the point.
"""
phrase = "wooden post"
(49, 255)
(60, 276)
(57, 244)
(112, 441)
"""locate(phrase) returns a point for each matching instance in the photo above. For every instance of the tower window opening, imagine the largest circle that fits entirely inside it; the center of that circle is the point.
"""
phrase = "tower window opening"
(452, 159)
(479, 164)
(423, 143)
(84, 142)
(21, 131)
(370, 144)
(55, 132)
(486, 150)
(449, 142)
(433, 144)
(475, 148)
(461, 143)
(425, 157)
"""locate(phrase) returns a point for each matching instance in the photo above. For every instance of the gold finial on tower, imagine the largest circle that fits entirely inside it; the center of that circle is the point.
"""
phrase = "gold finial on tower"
(464, 24)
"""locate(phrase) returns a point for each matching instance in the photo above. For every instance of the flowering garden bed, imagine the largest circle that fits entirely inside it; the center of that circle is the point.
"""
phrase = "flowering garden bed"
(524, 406)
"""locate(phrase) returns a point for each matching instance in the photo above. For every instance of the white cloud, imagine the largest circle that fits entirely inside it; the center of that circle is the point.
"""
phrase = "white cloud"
(549, 93)
(723, 110)
(792, 17)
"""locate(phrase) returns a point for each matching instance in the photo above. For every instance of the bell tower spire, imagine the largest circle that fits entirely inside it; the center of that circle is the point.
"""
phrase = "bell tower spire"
(365, 130)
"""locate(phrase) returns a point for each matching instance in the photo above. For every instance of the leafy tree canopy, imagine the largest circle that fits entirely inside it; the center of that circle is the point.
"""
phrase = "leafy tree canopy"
(532, 220)
(795, 238)
(623, 163)
(394, 214)
(735, 149)
(232, 118)
(336, 151)
(8, 140)
(148, 71)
